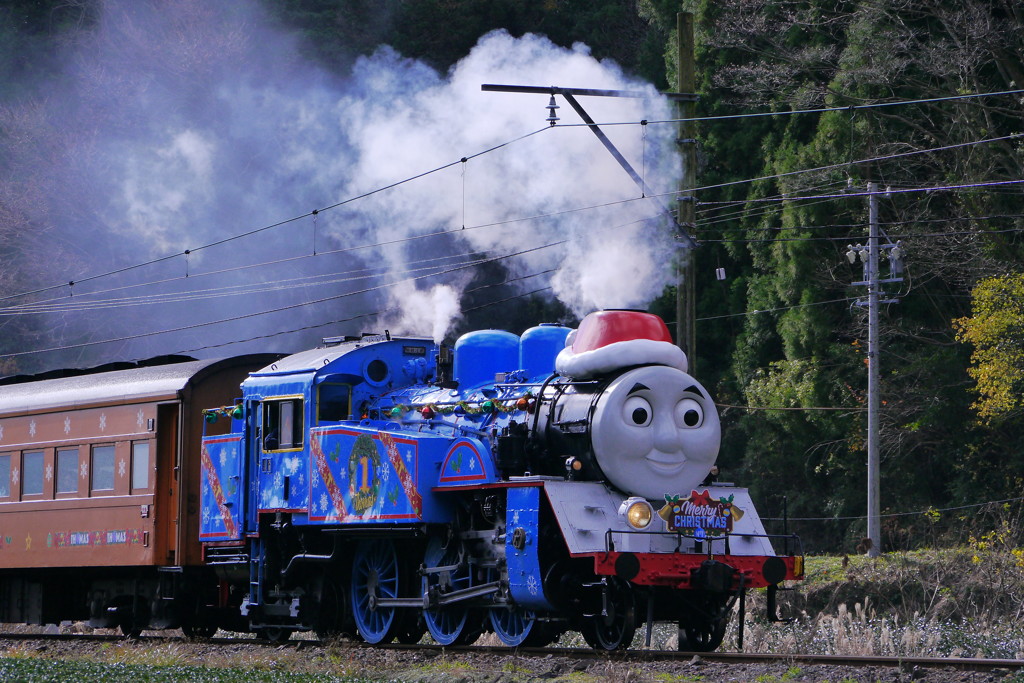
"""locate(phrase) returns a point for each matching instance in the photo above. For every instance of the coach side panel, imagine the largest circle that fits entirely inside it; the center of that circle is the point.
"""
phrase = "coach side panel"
(77, 487)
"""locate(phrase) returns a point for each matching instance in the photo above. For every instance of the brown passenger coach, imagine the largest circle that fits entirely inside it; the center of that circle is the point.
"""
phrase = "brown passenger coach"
(99, 491)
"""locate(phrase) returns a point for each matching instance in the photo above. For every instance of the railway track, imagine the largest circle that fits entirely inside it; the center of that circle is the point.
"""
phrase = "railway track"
(585, 654)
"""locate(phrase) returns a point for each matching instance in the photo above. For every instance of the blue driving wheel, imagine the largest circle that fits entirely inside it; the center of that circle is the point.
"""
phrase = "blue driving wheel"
(375, 575)
(512, 626)
(450, 624)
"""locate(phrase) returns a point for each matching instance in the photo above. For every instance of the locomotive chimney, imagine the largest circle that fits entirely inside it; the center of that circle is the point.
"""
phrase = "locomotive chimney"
(445, 365)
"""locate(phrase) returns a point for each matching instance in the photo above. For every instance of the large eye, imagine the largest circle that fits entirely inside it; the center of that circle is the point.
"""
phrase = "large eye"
(637, 411)
(689, 414)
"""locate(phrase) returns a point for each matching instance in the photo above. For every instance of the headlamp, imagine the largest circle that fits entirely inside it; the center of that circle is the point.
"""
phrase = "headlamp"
(638, 512)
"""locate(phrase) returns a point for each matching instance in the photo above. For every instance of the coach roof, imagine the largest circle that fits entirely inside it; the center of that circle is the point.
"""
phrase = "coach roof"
(159, 382)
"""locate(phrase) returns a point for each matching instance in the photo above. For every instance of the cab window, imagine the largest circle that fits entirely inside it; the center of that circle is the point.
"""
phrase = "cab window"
(282, 424)
(333, 402)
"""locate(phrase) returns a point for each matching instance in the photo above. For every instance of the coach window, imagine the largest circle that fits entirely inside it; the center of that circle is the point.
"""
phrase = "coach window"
(102, 468)
(140, 465)
(67, 470)
(282, 424)
(5, 475)
(333, 401)
(32, 473)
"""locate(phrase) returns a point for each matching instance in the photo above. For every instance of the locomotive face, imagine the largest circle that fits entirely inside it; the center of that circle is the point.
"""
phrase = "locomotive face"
(655, 432)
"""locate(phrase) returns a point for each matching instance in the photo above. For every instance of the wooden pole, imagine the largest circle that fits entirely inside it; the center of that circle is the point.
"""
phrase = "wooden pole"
(685, 293)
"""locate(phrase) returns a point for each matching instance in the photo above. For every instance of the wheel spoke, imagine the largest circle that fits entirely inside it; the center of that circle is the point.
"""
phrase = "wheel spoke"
(374, 575)
(455, 623)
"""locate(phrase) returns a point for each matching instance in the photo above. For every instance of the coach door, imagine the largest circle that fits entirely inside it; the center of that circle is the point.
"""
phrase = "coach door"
(167, 499)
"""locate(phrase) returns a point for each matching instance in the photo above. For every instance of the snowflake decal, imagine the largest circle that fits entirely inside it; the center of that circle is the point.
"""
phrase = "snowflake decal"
(103, 421)
(49, 472)
(67, 425)
(14, 475)
(385, 474)
(531, 584)
(84, 469)
(323, 502)
(278, 480)
(515, 517)
(140, 418)
(122, 467)
(302, 479)
(1, 432)
(223, 457)
(32, 428)
(472, 463)
(206, 515)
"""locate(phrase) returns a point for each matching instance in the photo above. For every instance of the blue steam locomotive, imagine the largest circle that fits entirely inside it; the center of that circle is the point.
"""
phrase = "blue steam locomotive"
(382, 487)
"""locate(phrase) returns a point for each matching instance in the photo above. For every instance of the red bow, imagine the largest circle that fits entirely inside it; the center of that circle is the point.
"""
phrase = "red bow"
(702, 498)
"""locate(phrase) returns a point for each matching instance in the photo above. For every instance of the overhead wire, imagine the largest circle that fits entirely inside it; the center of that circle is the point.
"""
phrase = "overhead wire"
(819, 110)
(83, 302)
(315, 212)
(497, 223)
(278, 309)
(417, 176)
(375, 313)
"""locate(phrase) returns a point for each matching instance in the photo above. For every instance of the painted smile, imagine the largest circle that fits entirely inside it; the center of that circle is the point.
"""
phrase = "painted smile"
(666, 464)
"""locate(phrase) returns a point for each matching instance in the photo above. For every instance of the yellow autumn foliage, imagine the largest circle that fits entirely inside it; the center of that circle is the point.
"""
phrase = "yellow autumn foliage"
(995, 329)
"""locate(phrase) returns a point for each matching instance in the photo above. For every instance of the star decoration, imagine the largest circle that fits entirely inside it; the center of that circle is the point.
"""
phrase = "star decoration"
(67, 425)
(49, 472)
(122, 467)
(32, 428)
(28, 542)
(14, 475)
(84, 469)
(103, 421)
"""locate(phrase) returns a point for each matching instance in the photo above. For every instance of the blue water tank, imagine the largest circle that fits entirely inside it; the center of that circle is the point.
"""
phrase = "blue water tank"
(480, 355)
(539, 346)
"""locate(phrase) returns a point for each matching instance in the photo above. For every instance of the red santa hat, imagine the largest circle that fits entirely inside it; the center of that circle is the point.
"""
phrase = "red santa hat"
(610, 340)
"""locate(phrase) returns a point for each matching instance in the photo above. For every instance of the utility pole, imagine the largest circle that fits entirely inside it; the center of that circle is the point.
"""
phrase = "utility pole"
(871, 258)
(686, 336)
(874, 507)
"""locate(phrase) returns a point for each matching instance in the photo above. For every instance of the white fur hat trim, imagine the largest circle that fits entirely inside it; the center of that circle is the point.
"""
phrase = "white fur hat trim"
(618, 355)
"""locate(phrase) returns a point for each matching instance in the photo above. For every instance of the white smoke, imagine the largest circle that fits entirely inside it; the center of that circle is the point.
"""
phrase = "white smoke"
(181, 124)
(431, 310)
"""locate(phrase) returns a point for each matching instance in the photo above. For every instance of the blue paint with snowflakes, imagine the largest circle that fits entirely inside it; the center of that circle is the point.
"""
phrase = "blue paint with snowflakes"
(220, 489)
(522, 527)
(362, 475)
